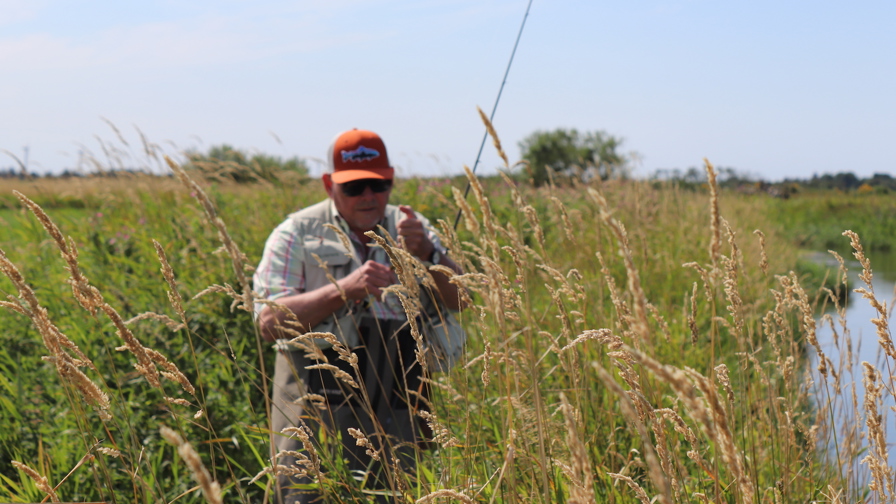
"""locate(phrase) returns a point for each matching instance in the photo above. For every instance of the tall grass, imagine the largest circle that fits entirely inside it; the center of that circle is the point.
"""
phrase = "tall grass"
(627, 343)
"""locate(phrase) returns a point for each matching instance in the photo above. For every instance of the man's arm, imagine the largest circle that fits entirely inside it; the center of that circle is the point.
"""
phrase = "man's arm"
(313, 307)
(419, 244)
(448, 291)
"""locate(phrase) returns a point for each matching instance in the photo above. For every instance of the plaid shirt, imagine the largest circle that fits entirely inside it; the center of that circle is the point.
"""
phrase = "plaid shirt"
(281, 270)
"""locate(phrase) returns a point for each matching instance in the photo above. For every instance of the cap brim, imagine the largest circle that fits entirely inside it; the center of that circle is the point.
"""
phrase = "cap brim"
(343, 176)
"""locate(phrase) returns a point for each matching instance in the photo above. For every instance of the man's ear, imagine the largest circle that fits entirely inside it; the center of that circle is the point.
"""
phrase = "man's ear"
(328, 183)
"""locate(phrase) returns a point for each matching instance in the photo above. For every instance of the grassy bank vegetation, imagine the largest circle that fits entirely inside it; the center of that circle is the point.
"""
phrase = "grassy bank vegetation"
(816, 219)
(627, 342)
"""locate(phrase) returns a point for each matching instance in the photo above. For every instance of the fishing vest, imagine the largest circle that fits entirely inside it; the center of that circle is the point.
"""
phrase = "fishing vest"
(442, 333)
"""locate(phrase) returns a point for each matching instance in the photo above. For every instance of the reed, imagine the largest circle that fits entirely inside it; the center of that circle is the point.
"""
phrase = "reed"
(626, 344)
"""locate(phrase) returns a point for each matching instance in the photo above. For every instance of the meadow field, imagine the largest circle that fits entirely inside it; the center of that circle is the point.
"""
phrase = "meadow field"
(628, 341)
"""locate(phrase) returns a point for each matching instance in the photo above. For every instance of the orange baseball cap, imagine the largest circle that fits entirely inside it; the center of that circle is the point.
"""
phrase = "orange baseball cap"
(358, 154)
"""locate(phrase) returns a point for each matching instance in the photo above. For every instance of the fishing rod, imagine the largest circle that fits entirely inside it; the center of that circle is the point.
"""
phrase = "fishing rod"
(491, 117)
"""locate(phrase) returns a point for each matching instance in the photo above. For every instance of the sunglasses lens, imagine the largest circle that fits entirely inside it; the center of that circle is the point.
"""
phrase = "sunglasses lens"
(357, 187)
(354, 188)
(378, 185)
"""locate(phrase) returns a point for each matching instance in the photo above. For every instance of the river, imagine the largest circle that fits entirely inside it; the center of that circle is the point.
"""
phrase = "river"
(862, 334)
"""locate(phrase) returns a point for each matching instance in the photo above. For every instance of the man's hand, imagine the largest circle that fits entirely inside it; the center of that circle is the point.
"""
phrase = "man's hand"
(370, 278)
(415, 238)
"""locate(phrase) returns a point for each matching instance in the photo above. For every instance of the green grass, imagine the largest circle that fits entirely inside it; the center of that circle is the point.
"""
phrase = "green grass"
(516, 441)
(817, 219)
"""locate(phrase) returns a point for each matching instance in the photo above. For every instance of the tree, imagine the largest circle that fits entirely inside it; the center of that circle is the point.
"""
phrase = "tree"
(223, 161)
(568, 152)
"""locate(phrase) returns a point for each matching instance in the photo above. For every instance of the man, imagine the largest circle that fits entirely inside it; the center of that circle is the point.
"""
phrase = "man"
(308, 275)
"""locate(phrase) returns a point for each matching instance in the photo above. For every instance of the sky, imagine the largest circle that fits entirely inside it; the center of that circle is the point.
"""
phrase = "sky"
(773, 89)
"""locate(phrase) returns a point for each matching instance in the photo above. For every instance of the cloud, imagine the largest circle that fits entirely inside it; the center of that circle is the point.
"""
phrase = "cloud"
(207, 40)
(151, 46)
(16, 11)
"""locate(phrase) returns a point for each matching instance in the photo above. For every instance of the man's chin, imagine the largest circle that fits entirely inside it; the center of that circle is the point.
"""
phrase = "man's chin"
(369, 226)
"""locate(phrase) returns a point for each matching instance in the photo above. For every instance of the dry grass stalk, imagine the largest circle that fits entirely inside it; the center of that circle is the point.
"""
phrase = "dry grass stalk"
(763, 256)
(280, 469)
(641, 326)
(330, 277)
(87, 295)
(622, 360)
(165, 319)
(148, 359)
(362, 441)
(732, 294)
(40, 481)
(665, 455)
(582, 488)
(881, 473)
(485, 208)
(833, 495)
(237, 258)
(532, 216)
(703, 498)
(441, 384)
(412, 309)
(678, 424)
(654, 470)
(16, 307)
(315, 400)
(440, 433)
(882, 323)
(622, 310)
(343, 238)
(210, 488)
(144, 363)
(110, 452)
(174, 296)
(692, 316)
(514, 192)
(338, 373)
(706, 277)
(640, 494)
(564, 218)
(486, 360)
(660, 321)
(310, 459)
(470, 221)
(709, 413)
(564, 285)
(390, 249)
(56, 342)
(796, 296)
(171, 371)
(494, 135)
(715, 246)
(70, 373)
(91, 299)
(725, 381)
(603, 336)
(445, 494)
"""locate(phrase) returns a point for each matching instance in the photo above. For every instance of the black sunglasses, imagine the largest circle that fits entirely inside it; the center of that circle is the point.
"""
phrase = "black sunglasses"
(357, 187)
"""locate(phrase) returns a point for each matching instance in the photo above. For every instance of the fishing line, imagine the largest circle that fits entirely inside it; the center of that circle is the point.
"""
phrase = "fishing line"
(491, 117)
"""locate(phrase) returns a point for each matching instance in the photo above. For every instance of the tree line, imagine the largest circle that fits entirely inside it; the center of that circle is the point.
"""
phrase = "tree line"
(547, 155)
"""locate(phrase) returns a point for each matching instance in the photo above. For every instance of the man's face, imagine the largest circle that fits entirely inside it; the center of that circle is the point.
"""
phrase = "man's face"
(362, 212)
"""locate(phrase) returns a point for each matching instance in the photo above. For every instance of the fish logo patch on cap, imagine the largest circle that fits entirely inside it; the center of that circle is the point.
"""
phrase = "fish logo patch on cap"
(360, 154)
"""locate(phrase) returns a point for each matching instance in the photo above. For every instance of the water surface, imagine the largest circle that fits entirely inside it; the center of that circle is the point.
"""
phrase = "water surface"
(859, 335)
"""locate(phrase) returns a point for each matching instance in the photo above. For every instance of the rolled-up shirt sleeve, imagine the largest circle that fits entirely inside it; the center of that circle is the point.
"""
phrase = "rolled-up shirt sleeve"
(281, 270)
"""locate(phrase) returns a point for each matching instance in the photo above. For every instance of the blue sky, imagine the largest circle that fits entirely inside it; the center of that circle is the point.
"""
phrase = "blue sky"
(776, 89)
